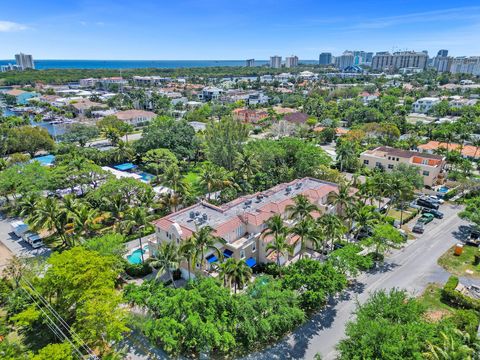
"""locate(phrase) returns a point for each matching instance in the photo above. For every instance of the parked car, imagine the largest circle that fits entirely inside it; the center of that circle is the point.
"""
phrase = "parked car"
(436, 213)
(19, 227)
(33, 239)
(437, 199)
(428, 203)
(419, 228)
(426, 218)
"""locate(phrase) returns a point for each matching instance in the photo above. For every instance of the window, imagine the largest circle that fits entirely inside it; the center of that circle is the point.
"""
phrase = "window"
(425, 161)
(242, 254)
(254, 247)
(426, 173)
(398, 159)
(389, 158)
(366, 162)
(378, 164)
(390, 166)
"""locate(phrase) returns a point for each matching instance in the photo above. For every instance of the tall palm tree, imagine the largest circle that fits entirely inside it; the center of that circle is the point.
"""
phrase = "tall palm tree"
(247, 165)
(274, 226)
(237, 272)
(366, 218)
(342, 199)
(332, 226)
(301, 209)
(167, 259)
(51, 215)
(83, 220)
(27, 204)
(307, 231)
(453, 348)
(205, 240)
(188, 249)
(136, 219)
(173, 179)
(171, 201)
(280, 246)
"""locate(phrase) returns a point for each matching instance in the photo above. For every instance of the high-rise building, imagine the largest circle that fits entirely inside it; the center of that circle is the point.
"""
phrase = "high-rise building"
(466, 65)
(250, 63)
(24, 61)
(325, 58)
(442, 63)
(442, 53)
(368, 57)
(345, 60)
(399, 60)
(275, 62)
(291, 61)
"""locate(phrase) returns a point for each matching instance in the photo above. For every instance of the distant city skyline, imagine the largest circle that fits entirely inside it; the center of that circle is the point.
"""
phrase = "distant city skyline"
(222, 30)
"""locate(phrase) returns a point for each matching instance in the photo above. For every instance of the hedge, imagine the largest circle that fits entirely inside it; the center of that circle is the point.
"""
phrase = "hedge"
(138, 270)
(457, 299)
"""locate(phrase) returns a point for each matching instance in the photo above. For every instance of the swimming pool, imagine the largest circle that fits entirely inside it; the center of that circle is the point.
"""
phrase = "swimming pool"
(136, 256)
(443, 189)
(146, 176)
(46, 160)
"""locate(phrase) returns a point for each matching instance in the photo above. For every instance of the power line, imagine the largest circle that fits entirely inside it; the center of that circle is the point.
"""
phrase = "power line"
(72, 333)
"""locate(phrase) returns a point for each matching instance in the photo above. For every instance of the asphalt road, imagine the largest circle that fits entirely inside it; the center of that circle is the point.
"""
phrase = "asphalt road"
(411, 268)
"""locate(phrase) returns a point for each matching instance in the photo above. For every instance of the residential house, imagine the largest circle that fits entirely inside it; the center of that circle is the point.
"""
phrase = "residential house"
(249, 116)
(467, 151)
(210, 93)
(82, 106)
(387, 158)
(21, 96)
(135, 117)
(241, 222)
(424, 105)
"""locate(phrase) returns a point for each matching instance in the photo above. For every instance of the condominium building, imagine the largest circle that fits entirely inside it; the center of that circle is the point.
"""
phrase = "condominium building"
(24, 61)
(275, 62)
(442, 53)
(442, 63)
(325, 58)
(240, 222)
(250, 63)
(386, 158)
(291, 61)
(345, 60)
(398, 60)
(466, 65)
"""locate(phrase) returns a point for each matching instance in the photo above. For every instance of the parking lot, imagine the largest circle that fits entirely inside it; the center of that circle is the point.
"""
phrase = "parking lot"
(16, 245)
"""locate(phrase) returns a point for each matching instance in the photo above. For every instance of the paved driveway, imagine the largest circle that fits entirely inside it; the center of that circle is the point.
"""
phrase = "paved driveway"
(16, 245)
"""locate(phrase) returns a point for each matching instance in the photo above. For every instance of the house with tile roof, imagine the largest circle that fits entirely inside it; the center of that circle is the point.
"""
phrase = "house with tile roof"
(467, 151)
(387, 158)
(21, 97)
(241, 222)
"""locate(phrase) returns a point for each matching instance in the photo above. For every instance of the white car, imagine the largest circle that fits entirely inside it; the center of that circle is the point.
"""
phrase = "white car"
(437, 199)
(19, 228)
(33, 239)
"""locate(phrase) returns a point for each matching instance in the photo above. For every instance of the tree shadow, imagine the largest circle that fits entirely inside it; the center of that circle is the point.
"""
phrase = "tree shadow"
(462, 233)
(382, 268)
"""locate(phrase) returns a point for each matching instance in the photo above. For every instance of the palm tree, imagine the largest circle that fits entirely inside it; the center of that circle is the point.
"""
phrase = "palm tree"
(345, 155)
(306, 232)
(83, 220)
(205, 241)
(274, 226)
(280, 246)
(366, 218)
(453, 348)
(167, 259)
(14, 269)
(27, 204)
(301, 209)
(342, 199)
(188, 249)
(332, 227)
(136, 219)
(173, 179)
(238, 272)
(171, 200)
(247, 165)
(51, 215)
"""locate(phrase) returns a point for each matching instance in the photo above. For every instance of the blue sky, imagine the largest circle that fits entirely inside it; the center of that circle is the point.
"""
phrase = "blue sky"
(229, 29)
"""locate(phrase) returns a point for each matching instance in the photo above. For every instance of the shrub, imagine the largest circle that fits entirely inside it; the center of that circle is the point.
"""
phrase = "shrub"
(457, 299)
(138, 270)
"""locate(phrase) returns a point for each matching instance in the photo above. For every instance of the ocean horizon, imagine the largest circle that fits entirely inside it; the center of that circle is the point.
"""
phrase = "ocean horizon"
(140, 64)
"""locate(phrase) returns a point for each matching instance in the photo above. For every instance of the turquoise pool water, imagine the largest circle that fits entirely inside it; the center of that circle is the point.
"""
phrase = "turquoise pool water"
(46, 160)
(443, 189)
(146, 176)
(136, 256)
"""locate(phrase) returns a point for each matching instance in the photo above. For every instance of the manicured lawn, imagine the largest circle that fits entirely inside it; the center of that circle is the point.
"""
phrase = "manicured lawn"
(193, 177)
(458, 265)
(395, 213)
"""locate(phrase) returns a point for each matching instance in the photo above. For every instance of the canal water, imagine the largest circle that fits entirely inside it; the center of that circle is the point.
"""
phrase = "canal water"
(53, 129)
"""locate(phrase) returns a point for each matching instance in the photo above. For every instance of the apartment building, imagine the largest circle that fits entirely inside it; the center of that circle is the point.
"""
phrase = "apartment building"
(398, 60)
(24, 61)
(276, 62)
(345, 60)
(466, 65)
(325, 58)
(241, 221)
(291, 61)
(424, 105)
(250, 63)
(430, 166)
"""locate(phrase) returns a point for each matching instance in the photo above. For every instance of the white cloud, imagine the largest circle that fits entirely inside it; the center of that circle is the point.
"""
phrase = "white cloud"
(10, 26)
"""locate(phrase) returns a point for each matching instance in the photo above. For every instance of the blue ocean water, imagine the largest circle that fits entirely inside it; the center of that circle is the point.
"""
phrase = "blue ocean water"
(140, 64)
